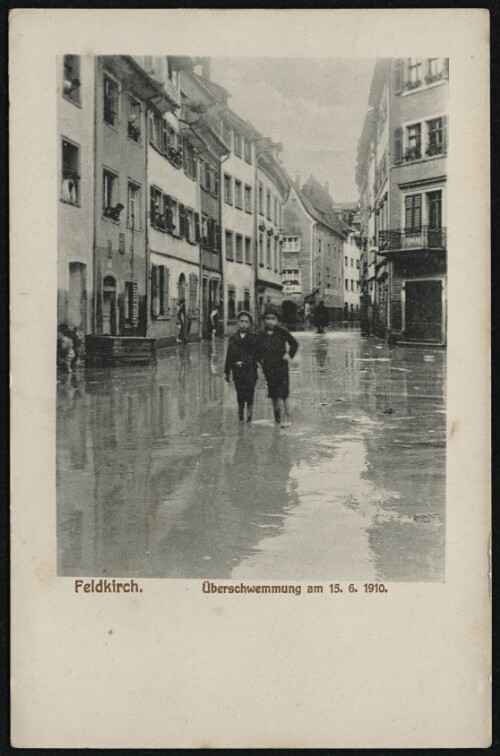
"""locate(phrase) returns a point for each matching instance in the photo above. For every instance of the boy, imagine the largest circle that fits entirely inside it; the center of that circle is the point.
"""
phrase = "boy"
(274, 358)
(241, 360)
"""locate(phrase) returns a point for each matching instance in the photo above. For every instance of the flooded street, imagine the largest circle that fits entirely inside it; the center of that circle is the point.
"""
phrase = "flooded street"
(156, 477)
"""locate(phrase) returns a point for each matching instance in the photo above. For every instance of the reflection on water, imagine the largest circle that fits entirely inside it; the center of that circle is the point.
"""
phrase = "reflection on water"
(156, 478)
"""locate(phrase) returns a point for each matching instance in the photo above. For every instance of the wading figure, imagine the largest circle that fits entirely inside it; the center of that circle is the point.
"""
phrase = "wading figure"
(181, 322)
(241, 361)
(321, 317)
(274, 357)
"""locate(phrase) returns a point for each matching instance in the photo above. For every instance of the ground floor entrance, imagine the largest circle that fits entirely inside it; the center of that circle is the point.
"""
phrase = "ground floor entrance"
(423, 310)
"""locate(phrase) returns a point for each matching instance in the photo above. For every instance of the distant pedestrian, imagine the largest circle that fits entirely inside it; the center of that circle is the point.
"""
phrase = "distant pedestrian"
(276, 348)
(182, 322)
(77, 345)
(241, 361)
(321, 317)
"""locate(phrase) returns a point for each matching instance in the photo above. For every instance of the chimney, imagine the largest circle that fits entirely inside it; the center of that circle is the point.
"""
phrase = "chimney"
(205, 68)
(297, 180)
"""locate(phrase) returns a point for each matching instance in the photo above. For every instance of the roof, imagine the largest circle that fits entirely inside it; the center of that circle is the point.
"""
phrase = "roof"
(319, 205)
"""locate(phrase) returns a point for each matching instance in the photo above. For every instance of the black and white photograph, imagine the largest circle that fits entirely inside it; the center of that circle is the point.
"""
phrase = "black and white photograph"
(250, 339)
(252, 317)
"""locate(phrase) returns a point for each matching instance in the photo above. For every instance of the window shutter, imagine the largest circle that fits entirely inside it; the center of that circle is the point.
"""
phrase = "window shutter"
(398, 145)
(216, 184)
(182, 221)
(408, 212)
(445, 133)
(152, 208)
(154, 291)
(398, 75)
(168, 213)
(417, 211)
(446, 68)
(161, 283)
(166, 287)
(197, 227)
(195, 164)
(218, 238)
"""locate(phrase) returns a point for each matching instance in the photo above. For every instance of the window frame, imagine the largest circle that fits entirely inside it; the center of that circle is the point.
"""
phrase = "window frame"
(77, 178)
(77, 88)
(131, 98)
(114, 189)
(228, 189)
(106, 75)
(238, 200)
(137, 215)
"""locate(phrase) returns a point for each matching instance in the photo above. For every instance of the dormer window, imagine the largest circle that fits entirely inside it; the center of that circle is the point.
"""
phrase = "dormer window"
(71, 78)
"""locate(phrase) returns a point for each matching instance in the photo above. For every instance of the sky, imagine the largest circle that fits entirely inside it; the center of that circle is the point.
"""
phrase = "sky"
(314, 106)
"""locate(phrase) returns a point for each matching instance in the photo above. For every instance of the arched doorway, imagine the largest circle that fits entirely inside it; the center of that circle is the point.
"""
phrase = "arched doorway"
(109, 306)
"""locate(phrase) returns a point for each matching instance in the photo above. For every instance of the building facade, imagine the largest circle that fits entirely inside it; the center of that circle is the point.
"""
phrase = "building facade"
(313, 259)
(351, 285)
(402, 180)
(75, 267)
(122, 93)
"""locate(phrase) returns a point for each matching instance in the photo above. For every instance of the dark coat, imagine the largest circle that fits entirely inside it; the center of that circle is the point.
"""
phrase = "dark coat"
(272, 347)
(244, 350)
(321, 316)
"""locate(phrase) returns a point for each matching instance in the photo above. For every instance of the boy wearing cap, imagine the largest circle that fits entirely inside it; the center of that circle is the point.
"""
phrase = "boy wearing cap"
(241, 361)
(274, 357)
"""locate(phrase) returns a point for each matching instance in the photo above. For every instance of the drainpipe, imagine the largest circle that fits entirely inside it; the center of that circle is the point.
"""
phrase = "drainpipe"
(200, 250)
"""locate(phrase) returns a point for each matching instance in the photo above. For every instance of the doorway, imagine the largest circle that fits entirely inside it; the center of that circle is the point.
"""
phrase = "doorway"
(423, 310)
(109, 306)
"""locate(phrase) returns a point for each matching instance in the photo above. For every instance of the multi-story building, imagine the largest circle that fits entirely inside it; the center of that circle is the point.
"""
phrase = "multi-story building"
(75, 269)
(312, 250)
(123, 92)
(271, 186)
(401, 176)
(351, 275)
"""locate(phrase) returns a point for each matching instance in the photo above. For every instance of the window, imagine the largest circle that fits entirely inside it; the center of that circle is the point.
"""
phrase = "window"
(228, 189)
(226, 134)
(275, 211)
(111, 100)
(206, 176)
(291, 244)
(215, 182)
(71, 80)
(434, 70)
(134, 119)
(190, 225)
(414, 76)
(345, 261)
(248, 250)
(246, 299)
(248, 199)
(276, 255)
(268, 253)
(133, 205)
(111, 208)
(435, 144)
(268, 203)
(248, 151)
(261, 249)
(352, 263)
(238, 199)
(413, 142)
(190, 160)
(70, 173)
(204, 230)
(160, 277)
(261, 198)
(231, 304)
(238, 144)
(229, 246)
(174, 217)
(352, 284)
(346, 285)
(156, 208)
(413, 212)
(434, 209)
(239, 248)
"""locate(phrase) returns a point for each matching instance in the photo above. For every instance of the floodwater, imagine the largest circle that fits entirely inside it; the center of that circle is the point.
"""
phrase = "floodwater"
(157, 478)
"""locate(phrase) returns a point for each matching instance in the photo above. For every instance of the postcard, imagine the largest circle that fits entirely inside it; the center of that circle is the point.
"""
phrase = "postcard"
(250, 378)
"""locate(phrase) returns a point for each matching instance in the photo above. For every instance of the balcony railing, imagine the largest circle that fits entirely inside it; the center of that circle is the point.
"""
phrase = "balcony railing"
(424, 237)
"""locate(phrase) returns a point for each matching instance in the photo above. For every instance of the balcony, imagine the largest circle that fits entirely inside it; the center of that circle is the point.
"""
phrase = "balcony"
(423, 238)
(292, 289)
